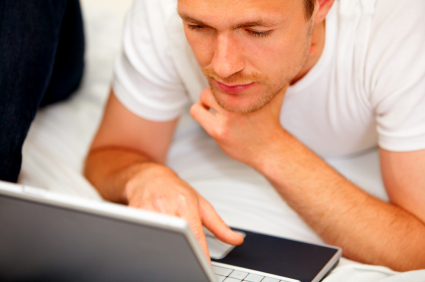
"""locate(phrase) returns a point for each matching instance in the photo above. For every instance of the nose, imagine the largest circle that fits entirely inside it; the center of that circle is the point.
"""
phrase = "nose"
(227, 59)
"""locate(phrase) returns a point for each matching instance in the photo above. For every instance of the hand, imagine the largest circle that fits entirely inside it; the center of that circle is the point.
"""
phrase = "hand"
(243, 137)
(157, 188)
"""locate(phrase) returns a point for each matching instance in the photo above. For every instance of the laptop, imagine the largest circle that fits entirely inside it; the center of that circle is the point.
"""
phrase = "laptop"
(45, 236)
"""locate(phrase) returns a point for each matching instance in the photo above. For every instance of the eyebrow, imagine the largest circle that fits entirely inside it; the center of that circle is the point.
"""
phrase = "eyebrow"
(189, 19)
(259, 22)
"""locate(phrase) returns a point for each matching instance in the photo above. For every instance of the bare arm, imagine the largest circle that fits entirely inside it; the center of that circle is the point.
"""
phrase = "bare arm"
(126, 164)
(368, 230)
(123, 142)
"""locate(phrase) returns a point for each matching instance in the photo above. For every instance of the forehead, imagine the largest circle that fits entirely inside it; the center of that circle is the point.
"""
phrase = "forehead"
(239, 10)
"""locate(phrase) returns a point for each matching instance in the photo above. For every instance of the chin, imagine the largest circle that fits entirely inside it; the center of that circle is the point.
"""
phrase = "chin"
(239, 103)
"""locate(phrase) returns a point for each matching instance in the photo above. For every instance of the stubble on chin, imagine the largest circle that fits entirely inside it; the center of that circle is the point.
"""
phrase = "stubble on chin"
(259, 102)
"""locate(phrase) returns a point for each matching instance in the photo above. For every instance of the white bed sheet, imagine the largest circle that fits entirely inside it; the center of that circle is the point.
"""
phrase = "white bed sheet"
(60, 135)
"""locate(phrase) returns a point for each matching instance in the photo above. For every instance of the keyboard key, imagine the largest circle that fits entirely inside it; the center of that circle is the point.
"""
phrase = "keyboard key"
(232, 280)
(254, 278)
(238, 274)
(221, 270)
(220, 278)
(268, 279)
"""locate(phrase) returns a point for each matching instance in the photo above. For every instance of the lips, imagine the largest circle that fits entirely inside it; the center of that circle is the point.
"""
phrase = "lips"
(234, 89)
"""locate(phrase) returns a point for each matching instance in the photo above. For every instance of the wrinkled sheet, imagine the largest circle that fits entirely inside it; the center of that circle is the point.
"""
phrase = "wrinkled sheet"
(60, 136)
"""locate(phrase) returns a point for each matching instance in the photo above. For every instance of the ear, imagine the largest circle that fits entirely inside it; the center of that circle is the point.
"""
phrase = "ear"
(322, 8)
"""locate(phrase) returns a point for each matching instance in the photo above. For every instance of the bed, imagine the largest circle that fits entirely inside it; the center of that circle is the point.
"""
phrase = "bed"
(58, 140)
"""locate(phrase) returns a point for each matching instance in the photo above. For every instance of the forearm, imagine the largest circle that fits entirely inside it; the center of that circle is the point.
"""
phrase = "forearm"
(110, 170)
(367, 229)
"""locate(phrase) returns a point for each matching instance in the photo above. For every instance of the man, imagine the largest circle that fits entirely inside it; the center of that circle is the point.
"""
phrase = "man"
(289, 80)
(41, 62)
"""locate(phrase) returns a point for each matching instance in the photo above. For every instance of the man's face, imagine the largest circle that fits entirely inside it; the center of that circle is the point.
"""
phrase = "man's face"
(248, 49)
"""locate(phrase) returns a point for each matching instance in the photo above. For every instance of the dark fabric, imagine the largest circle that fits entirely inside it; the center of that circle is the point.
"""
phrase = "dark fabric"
(41, 62)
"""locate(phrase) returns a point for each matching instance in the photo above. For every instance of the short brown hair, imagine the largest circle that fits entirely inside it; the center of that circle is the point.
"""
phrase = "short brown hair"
(309, 8)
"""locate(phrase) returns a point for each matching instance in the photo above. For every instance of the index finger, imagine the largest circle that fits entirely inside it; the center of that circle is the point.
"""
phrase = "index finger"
(191, 215)
(207, 99)
(214, 223)
(203, 116)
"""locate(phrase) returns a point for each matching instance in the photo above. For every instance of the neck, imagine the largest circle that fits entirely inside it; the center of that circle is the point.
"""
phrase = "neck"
(316, 50)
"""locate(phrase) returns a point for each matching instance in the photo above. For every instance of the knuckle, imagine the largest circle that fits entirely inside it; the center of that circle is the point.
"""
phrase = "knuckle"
(194, 110)
(185, 198)
(221, 132)
(158, 202)
(197, 232)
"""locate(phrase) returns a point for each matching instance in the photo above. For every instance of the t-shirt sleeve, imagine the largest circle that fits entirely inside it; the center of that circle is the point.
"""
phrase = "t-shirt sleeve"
(145, 79)
(396, 74)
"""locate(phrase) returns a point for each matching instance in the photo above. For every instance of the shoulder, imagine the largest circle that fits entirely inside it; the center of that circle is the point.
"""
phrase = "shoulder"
(395, 56)
(152, 15)
(379, 7)
(146, 39)
(382, 53)
(146, 80)
(395, 73)
(382, 40)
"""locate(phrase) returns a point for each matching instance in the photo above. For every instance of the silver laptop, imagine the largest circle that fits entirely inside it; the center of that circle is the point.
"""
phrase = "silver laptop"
(46, 236)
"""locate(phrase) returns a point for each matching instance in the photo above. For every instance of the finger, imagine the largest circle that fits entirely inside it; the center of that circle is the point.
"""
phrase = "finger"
(204, 117)
(207, 99)
(191, 215)
(213, 222)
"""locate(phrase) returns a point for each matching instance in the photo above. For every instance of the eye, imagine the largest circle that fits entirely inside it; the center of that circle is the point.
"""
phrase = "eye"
(195, 27)
(259, 33)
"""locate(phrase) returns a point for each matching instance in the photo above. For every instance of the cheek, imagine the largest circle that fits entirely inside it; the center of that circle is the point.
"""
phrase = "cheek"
(270, 57)
(283, 59)
(202, 48)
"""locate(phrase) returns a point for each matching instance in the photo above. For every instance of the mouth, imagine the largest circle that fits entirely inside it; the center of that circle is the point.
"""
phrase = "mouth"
(234, 88)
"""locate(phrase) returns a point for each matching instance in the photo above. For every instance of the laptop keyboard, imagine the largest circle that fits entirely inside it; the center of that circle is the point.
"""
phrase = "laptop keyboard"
(231, 275)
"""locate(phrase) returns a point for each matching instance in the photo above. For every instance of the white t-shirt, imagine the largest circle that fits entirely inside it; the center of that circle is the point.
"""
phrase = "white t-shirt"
(368, 87)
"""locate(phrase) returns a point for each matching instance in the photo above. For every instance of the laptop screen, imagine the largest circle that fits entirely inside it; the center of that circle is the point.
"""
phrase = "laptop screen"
(46, 242)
